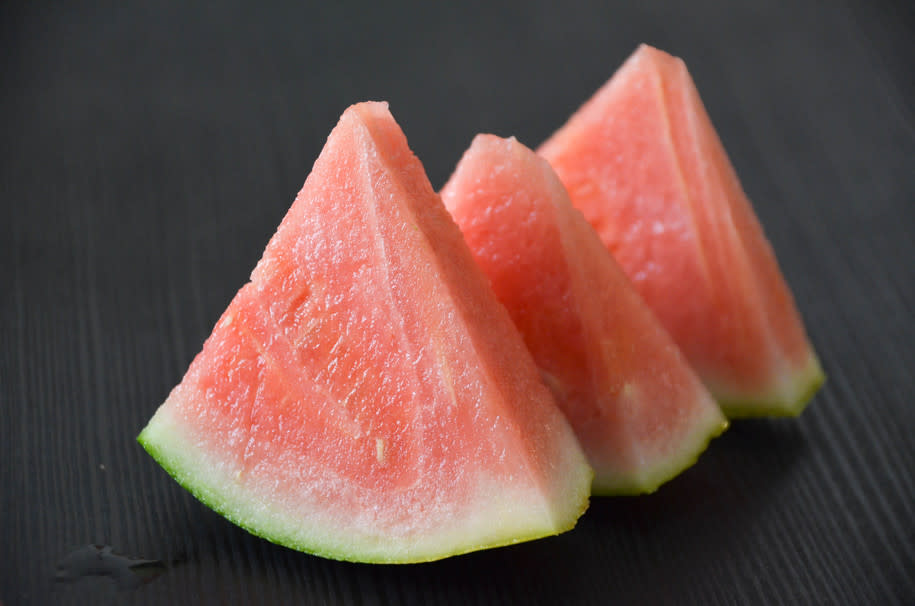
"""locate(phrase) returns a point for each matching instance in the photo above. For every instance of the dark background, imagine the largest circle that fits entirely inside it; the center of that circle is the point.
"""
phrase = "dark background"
(149, 151)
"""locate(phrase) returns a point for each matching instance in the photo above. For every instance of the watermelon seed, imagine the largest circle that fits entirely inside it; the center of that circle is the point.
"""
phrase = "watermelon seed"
(379, 450)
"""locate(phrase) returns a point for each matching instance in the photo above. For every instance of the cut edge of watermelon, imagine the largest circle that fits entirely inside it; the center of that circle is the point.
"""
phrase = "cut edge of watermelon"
(216, 488)
(788, 398)
(649, 480)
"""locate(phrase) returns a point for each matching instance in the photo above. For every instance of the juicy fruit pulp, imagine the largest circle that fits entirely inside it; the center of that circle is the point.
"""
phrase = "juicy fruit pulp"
(364, 396)
(639, 411)
(642, 161)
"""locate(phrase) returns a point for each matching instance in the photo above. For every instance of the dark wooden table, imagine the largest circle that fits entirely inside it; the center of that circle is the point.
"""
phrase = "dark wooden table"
(149, 151)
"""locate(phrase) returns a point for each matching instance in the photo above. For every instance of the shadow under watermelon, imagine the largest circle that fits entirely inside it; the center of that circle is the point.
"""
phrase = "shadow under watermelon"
(648, 549)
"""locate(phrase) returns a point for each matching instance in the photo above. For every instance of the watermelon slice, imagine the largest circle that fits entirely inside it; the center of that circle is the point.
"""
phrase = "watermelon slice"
(365, 397)
(642, 161)
(640, 412)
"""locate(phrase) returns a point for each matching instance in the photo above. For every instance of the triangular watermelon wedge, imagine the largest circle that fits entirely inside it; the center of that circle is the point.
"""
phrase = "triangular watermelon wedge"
(644, 164)
(640, 412)
(365, 397)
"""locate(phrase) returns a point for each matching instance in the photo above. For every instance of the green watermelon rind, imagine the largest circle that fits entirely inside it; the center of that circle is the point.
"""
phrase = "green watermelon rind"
(787, 402)
(189, 467)
(179, 467)
(651, 478)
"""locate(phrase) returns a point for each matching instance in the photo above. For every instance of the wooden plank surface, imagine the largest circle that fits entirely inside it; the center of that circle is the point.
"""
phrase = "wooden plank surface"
(148, 152)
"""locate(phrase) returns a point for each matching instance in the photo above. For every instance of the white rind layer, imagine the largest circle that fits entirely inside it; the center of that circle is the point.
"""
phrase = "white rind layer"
(651, 475)
(499, 513)
(787, 397)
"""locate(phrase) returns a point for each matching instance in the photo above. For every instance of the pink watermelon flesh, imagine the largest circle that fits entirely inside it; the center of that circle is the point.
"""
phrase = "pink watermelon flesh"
(639, 411)
(644, 164)
(365, 397)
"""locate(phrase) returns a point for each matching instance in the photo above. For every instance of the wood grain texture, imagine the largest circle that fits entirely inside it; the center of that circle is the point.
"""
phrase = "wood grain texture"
(149, 152)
